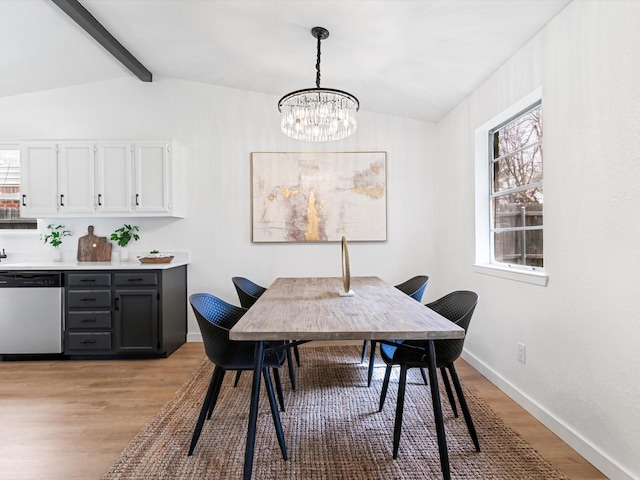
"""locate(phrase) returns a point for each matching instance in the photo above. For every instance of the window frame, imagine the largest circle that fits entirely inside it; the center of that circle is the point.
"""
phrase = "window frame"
(485, 262)
(493, 194)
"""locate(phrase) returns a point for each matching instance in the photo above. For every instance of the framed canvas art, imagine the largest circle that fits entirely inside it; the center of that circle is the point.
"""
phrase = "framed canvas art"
(318, 196)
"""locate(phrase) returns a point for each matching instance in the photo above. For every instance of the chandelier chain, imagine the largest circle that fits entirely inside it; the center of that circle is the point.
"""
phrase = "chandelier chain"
(318, 64)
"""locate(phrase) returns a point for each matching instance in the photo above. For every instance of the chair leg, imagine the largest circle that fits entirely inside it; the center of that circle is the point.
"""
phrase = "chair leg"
(424, 376)
(216, 392)
(397, 429)
(213, 385)
(464, 407)
(276, 376)
(372, 360)
(292, 374)
(364, 350)
(296, 353)
(235, 382)
(385, 386)
(274, 411)
(447, 387)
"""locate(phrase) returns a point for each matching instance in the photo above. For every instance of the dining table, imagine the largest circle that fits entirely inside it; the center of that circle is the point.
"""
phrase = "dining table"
(318, 308)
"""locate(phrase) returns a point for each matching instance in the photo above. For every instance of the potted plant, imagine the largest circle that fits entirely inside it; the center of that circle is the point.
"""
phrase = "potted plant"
(122, 236)
(54, 238)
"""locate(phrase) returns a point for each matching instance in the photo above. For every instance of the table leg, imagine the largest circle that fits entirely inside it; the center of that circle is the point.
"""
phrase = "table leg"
(437, 410)
(253, 411)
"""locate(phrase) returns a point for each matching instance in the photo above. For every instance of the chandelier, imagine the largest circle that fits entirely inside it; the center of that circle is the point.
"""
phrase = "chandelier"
(318, 114)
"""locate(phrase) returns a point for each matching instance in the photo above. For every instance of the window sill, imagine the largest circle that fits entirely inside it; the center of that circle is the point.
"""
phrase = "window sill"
(526, 276)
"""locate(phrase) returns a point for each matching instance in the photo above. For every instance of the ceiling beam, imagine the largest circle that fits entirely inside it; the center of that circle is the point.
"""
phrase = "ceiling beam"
(88, 22)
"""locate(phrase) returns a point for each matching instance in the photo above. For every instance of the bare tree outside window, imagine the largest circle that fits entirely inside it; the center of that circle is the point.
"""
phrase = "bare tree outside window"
(516, 190)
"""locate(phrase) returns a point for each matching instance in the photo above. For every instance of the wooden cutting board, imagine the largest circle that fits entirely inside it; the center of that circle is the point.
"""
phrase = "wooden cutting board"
(92, 248)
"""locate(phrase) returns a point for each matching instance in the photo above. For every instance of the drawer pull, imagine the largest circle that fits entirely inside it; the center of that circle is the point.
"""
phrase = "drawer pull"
(88, 320)
(88, 300)
(135, 279)
(88, 342)
(88, 280)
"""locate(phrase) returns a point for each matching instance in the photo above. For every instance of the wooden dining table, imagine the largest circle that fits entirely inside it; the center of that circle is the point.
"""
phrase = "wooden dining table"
(310, 308)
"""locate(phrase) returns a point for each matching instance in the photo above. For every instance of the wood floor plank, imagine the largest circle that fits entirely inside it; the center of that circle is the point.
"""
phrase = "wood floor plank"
(69, 420)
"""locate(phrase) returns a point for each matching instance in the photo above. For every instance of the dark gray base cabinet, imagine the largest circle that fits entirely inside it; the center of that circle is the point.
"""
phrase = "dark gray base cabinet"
(125, 312)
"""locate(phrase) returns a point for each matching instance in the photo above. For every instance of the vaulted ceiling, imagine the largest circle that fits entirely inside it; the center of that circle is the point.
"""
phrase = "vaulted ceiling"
(415, 59)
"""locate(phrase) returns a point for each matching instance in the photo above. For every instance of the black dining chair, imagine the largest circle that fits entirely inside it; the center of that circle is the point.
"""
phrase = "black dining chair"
(458, 307)
(414, 287)
(248, 292)
(215, 319)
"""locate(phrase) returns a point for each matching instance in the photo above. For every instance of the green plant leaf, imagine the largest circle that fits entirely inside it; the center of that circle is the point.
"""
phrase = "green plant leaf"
(125, 234)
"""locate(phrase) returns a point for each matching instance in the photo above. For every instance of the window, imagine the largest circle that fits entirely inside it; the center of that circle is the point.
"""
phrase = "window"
(10, 191)
(516, 193)
(509, 194)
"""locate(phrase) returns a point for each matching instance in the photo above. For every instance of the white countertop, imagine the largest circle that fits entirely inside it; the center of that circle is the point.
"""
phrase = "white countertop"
(17, 263)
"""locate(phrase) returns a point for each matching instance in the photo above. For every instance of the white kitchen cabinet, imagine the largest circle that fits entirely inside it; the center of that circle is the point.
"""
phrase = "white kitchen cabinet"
(114, 169)
(57, 179)
(76, 172)
(38, 179)
(102, 179)
(152, 161)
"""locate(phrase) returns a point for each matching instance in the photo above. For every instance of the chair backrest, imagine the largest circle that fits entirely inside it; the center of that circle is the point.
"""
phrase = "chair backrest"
(414, 287)
(248, 291)
(215, 319)
(458, 307)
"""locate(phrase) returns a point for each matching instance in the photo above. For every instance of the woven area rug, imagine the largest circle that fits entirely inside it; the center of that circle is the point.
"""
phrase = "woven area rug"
(332, 428)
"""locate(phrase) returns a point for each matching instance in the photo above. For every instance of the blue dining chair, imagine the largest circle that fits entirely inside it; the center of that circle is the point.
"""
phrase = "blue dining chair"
(215, 318)
(458, 307)
(414, 287)
(248, 292)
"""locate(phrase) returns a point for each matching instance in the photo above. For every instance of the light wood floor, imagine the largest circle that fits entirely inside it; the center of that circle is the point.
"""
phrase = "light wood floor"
(69, 420)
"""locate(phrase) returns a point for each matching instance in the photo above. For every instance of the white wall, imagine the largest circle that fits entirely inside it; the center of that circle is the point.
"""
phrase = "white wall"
(218, 128)
(582, 375)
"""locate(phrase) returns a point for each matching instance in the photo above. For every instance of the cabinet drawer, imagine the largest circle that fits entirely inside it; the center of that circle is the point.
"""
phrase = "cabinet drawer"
(89, 320)
(89, 341)
(89, 299)
(88, 280)
(135, 279)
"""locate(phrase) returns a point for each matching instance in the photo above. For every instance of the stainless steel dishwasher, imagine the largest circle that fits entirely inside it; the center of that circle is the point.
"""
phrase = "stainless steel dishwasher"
(30, 312)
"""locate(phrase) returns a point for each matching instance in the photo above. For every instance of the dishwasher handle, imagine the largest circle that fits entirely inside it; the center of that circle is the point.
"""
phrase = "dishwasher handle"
(28, 279)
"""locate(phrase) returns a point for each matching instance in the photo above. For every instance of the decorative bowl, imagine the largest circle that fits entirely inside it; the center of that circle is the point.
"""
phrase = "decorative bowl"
(156, 258)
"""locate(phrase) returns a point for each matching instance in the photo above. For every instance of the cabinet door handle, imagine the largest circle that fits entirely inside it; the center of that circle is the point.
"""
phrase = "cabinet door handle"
(137, 199)
(24, 200)
(117, 306)
(99, 199)
(61, 200)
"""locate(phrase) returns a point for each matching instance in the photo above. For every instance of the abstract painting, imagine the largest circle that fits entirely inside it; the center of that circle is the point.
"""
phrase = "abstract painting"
(318, 196)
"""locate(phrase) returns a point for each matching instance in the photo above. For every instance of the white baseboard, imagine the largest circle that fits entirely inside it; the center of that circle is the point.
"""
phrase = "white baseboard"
(194, 337)
(584, 447)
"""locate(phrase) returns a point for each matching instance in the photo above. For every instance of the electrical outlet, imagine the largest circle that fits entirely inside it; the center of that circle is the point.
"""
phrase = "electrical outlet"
(522, 353)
